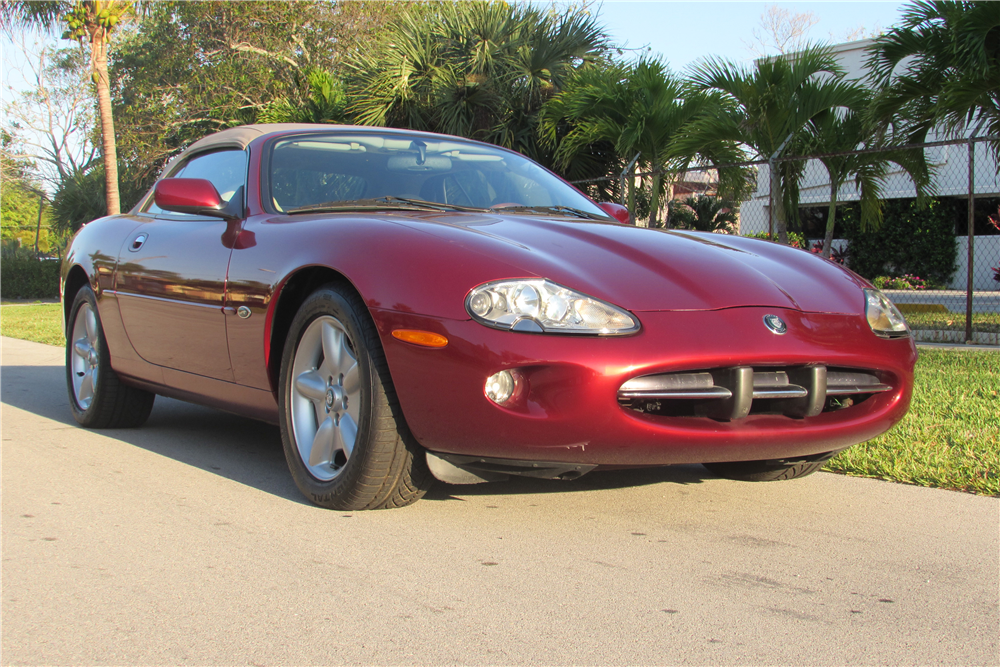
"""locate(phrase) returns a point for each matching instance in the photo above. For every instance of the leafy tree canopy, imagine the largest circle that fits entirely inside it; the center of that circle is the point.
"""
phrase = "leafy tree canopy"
(642, 110)
(705, 214)
(474, 69)
(192, 68)
(21, 195)
(836, 135)
(771, 106)
(941, 66)
(90, 22)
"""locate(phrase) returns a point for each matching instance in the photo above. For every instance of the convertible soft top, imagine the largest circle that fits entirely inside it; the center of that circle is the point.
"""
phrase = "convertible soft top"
(240, 137)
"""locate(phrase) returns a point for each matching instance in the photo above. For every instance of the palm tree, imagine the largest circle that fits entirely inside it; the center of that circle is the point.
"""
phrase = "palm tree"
(836, 136)
(642, 110)
(327, 103)
(771, 107)
(475, 69)
(704, 214)
(91, 22)
(941, 66)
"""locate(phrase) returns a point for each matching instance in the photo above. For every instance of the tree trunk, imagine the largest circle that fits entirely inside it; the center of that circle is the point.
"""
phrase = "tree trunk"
(38, 225)
(99, 67)
(631, 197)
(831, 219)
(778, 205)
(654, 200)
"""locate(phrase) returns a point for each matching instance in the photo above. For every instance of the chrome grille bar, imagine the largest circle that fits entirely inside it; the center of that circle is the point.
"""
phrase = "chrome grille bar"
(728, 393)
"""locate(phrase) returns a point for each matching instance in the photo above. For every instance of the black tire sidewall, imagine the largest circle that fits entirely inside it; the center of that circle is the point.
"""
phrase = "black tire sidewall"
(766, 471)
(89, 416)
(330, 301)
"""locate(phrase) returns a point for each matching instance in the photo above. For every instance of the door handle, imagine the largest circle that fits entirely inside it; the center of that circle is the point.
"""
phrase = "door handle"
(137, 242)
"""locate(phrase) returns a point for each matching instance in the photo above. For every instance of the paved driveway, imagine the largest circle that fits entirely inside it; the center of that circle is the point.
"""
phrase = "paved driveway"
(185, 542)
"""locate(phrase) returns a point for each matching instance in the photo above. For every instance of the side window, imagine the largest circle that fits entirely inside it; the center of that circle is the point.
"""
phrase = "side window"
(226, 170)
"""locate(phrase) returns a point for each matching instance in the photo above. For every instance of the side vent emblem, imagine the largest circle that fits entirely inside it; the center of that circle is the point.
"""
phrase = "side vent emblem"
(775, 324)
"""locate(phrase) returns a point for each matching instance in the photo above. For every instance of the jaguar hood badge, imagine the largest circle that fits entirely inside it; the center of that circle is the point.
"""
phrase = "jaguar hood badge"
(775, 324)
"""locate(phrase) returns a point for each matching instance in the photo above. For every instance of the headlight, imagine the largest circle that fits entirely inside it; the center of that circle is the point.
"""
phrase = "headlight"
(540, 306)
(883, 317)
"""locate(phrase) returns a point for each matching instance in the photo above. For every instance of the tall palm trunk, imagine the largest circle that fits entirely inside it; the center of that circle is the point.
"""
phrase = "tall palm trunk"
(654, 199)
(99, 66)
(831, 219)
(778, 207)
(631, 197)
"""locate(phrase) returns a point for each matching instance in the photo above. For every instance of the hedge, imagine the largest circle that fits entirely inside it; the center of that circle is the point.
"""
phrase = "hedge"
(29, 278)
(915, 240)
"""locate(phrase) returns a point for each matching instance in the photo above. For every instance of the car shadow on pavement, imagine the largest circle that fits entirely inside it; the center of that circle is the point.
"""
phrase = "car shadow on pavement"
(593, 481)
(237, 448)
(250, 453)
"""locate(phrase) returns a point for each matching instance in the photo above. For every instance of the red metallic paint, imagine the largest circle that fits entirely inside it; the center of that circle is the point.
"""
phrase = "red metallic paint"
(617, 211)
(187, 195)
(170, 294)
(571, 411)
(700, 299)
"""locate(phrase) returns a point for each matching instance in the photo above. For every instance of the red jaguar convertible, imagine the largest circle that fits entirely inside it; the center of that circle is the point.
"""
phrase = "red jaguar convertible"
(410, 306)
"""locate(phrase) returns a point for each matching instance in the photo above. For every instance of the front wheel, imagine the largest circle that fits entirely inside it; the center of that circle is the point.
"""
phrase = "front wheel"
(345, 441)
(770, 471)
(97, 397)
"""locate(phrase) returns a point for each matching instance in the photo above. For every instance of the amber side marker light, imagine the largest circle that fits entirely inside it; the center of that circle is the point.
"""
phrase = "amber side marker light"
(425, 338)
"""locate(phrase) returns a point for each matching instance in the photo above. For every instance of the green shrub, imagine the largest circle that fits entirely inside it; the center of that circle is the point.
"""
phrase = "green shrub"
(79, 199)
(23, 276)
(913, 240)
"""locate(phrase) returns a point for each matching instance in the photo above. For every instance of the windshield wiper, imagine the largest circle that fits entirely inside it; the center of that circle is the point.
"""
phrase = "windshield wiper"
(387, 202)
(561, 210)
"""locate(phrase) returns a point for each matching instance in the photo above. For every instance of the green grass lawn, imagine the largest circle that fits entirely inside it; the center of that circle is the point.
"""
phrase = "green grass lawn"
(38, 322)
(950, 439)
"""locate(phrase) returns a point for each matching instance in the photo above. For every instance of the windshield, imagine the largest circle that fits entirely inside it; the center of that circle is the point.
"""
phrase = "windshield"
(333, 171)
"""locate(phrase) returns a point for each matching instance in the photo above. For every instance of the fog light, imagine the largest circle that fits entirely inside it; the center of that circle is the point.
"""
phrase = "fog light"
(500, 387)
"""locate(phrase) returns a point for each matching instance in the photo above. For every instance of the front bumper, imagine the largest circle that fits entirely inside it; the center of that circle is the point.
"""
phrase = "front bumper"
(570, 411)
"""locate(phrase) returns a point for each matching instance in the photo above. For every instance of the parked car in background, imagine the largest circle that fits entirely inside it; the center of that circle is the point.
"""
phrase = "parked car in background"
(410, 306)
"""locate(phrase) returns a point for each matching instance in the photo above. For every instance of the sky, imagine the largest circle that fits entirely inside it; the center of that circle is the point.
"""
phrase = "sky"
(683, 32)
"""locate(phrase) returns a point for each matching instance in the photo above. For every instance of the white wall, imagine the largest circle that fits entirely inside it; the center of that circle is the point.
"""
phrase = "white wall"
(987, 255)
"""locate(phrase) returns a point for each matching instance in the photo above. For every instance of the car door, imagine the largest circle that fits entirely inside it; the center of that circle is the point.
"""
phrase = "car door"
(171, 276)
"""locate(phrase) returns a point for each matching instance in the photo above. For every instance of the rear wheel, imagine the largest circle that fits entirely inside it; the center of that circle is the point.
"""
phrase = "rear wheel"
(96, 395)
(345, 440)
(770, 471)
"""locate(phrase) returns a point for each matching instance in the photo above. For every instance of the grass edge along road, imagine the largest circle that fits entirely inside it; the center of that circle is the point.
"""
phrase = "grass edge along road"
(950, 439)
(38, 322)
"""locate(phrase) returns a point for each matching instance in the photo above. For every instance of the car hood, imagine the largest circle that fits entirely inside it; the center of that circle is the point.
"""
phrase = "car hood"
(651, 270)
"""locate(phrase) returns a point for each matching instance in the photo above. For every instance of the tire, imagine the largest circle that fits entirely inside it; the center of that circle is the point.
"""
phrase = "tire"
(97, 396)
(345, 440)
(769, 471)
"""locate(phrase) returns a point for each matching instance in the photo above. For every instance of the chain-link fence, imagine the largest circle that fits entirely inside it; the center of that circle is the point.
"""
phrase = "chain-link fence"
(930, 241)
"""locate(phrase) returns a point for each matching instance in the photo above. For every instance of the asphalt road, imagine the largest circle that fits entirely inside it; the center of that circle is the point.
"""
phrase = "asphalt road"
(186, 543)
(954, 300)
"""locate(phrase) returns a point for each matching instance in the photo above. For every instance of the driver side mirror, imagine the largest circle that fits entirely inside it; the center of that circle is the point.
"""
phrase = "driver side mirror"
(196, 196)
(617, 211)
